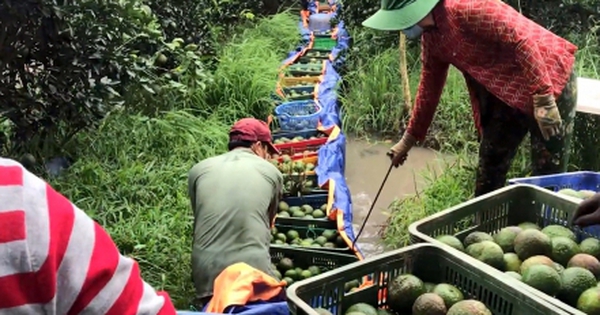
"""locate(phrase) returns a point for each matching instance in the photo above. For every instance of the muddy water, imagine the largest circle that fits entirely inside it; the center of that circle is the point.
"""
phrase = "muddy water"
(366, 166)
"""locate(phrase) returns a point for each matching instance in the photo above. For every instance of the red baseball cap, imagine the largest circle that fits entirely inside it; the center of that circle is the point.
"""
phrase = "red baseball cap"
(251, 129)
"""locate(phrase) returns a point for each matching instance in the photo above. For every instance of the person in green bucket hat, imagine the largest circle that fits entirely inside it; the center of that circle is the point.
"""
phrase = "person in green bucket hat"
(519, 76)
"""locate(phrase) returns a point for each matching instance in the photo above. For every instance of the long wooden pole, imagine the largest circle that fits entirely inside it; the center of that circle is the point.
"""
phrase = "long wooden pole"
(404, 74)
(404, 80)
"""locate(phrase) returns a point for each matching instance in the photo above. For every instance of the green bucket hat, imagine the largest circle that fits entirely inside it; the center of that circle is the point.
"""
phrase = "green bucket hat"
(397, 15)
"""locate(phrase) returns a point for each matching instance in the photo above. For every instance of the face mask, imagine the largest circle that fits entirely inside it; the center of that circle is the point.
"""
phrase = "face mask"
(413, 32)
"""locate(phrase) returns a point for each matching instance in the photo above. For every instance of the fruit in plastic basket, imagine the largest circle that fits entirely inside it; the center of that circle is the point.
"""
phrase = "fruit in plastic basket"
(327, 239)
(293, 140)
(449, 293)
(586, 261)
(512, 262)
(285, 264)
(589, 301)
(429, 304)
(318, 214)
(403, 291)
(575, 281)
(288, 281)
(559, 268)
(563, 249)
(295, 274)
(569, 192)
(558, 230)
(536, 260)
(451, 241)
(506, 238)
(283, 206)
(513, 274)
(429, 287)
(299, 212)
(532, 242)
(362, 308)
(543, 278)
(477, 237)
(487, 252)
(529, 226)
(586, 193)
(581, 194)
(353, 284)
(590, 246)
(294, 168)
(469, 307)
(277, 274)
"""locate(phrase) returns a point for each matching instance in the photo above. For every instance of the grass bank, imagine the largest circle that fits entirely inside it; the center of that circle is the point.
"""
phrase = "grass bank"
(132, 174)
(451, 127)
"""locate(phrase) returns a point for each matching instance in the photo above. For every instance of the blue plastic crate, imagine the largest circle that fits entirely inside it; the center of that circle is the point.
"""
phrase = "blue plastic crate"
(298, 115)
(575, 180)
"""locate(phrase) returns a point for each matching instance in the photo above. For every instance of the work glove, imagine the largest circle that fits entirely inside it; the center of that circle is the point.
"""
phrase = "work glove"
(399, 151)
(546, 114)
(588, 212)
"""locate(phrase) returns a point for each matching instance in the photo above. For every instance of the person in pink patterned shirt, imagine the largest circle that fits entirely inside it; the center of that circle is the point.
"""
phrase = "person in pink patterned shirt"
(519, 76)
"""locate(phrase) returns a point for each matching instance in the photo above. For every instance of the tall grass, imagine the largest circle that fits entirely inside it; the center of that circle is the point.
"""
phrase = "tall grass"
(248, 67)
(373, 100)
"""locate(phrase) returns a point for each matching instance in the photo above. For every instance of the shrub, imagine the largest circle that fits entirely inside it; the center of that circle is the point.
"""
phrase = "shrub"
(65, 65)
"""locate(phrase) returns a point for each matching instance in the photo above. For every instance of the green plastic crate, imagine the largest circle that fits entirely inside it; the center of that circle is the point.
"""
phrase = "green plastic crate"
(304, 258)
(308, 228)
(315, 201)
(313, 56)
(507, 206)
(303, 69)
(429, 262)
(326, 43)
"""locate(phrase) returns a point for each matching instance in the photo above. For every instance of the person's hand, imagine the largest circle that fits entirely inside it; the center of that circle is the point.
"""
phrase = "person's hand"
(588, 212)
(546, 114)
(399, 151)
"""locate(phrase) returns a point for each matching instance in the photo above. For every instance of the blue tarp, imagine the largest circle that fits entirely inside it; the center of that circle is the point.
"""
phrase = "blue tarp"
(332, 156)
(312, 7)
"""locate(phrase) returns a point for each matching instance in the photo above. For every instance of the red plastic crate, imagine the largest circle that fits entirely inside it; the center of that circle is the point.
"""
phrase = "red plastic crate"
(294, 148)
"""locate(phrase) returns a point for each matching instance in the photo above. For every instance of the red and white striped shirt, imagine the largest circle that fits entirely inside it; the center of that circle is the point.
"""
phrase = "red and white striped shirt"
(54, 259)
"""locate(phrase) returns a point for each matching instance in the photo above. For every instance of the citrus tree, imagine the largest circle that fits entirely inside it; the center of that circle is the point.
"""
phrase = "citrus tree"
(65, 64)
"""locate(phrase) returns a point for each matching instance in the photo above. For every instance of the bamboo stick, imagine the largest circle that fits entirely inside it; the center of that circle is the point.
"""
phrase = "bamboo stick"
(404, 74)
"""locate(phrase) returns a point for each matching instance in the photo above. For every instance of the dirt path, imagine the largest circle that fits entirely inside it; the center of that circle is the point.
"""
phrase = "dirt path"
(366, 165)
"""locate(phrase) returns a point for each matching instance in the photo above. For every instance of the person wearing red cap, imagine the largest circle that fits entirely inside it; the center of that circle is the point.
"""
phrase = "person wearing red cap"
(234, 198)
(56, 260)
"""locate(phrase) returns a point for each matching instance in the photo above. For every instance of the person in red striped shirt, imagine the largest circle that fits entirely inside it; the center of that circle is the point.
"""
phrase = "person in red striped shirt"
(519, 75)
(56, 260)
